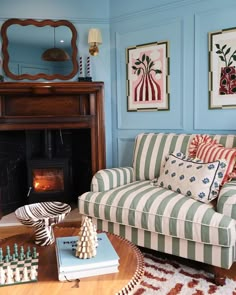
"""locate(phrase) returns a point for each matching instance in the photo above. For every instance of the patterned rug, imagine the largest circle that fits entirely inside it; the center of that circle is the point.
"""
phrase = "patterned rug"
(167, 277)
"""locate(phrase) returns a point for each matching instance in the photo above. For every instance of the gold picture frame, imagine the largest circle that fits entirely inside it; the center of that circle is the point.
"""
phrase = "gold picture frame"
(147, 77)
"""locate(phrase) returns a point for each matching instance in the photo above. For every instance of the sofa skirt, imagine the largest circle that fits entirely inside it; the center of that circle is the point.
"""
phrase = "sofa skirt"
(206, 253)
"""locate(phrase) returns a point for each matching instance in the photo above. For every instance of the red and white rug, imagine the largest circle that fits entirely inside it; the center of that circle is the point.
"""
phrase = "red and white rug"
(165, 277)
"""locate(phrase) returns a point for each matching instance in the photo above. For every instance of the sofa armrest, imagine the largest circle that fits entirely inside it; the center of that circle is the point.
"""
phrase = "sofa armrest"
(106, 179)
(226, 203)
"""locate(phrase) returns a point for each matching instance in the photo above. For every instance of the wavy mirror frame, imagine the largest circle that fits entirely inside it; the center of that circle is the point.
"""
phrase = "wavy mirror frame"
(27, 22)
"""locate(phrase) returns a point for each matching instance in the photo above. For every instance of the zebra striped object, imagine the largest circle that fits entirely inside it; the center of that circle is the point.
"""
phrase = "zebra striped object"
(43, 216)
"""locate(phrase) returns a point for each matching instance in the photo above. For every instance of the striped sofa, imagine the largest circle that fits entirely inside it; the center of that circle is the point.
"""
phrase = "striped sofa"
(123, 201)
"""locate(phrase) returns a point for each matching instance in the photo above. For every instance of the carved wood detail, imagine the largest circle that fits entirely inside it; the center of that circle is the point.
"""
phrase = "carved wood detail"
(56, 105)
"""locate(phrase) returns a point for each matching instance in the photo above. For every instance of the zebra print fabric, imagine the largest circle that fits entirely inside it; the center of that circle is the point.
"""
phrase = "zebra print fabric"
(43, 216)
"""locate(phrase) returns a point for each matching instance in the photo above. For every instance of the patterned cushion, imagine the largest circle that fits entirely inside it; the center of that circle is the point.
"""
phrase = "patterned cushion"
(199, 138)
(208, 152)
(193, 178)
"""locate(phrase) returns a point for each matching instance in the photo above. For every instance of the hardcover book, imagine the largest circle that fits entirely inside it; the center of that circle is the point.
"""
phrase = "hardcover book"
(71, 267)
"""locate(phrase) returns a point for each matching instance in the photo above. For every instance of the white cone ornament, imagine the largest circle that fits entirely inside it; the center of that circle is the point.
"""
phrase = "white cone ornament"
(86, 246)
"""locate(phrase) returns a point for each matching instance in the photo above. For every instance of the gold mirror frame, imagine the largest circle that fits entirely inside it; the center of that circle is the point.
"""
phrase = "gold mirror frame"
(27, 22)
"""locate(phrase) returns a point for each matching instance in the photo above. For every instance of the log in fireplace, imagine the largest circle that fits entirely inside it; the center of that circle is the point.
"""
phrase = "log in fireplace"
(44, 114)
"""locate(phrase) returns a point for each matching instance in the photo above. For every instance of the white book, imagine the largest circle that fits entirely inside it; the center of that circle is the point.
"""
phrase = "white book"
(72, 275)
(106, 257)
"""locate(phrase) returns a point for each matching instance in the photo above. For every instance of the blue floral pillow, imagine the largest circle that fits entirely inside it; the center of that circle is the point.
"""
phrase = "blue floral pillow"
(193, 178)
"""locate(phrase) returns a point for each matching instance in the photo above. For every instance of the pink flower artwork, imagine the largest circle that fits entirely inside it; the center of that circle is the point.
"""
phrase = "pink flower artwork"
(147, 77)
(149, 85)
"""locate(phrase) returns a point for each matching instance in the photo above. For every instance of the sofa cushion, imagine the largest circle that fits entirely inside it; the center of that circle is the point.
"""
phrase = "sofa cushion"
(198, 139)
(151, 149)
(212, 152)
(157, 209)
(208, 149)
(193, 178)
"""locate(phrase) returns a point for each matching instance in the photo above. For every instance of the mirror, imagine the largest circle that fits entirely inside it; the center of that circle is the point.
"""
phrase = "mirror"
(24, 41)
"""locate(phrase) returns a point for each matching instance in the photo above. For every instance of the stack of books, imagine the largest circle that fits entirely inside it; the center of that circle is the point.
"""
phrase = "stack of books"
(71, 267)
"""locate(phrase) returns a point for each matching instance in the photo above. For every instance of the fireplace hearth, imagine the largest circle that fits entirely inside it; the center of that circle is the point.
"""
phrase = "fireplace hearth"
(58, 165)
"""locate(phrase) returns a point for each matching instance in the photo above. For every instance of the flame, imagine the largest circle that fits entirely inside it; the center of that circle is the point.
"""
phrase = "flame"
(50, 180)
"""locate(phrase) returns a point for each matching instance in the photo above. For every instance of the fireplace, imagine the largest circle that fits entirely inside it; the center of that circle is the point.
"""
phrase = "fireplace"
(48, 180)
(48, 167)
(58, 165)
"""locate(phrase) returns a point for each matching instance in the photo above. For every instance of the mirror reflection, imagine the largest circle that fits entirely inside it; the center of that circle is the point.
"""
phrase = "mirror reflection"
(27, 42)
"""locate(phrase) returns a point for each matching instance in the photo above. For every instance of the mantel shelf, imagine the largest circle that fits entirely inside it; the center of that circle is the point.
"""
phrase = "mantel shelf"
(56, 105)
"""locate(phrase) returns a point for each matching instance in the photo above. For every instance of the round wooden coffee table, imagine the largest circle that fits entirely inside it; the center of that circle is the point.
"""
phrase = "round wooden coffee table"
(130, 273)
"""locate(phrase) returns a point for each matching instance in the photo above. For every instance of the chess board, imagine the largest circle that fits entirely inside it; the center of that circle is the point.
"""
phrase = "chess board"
(18, 267)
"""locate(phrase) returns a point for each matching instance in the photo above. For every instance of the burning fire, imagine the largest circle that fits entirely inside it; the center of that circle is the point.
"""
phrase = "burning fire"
(48, 180)
(36, 184)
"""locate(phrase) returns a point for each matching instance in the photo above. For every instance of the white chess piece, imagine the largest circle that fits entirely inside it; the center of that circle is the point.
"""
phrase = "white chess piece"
(17, 275)
(33, 273)
(9, 275)
(25, 274)
(2, 276)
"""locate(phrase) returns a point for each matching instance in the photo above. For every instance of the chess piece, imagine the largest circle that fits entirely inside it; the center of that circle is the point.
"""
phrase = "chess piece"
(33, 273)
(86, 246)
(34, 255)
(9, 275)
(6, 259)
(2, 276)
(28, 251)
(25, 275)
(1, 255)
(21, 257)
(8, 252)
(17, 275)
(16, 250)
(27, 255)
(22, 254)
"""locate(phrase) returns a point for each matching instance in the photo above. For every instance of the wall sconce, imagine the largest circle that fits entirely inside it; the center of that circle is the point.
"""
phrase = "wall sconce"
(94, 39)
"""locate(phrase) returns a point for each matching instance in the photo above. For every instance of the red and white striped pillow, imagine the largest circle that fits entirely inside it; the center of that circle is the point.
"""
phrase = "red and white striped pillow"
(208, 152)
(198, 139)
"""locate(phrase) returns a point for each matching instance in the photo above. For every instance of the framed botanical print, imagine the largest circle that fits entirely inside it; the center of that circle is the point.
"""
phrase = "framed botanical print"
(222, 69)
(147, 68)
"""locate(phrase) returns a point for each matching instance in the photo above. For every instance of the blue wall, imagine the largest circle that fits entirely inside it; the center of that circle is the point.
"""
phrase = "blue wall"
(84, 15)
(185, 24)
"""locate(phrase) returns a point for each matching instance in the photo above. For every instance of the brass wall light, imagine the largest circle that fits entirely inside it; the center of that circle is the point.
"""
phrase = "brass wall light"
(54, 53)
(94, 39)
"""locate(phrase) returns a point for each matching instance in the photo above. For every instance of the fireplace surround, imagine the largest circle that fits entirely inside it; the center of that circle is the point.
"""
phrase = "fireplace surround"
(74, 109)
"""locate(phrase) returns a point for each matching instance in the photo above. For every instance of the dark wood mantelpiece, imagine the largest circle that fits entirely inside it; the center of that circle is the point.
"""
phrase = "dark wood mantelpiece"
(56, 105)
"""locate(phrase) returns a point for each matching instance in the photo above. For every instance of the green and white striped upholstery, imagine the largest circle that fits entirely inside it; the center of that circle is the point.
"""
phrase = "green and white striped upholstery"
(160, 210)
(226, 203)
(152, 148)
(206, 253)
(107, 179)
(122, 201)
